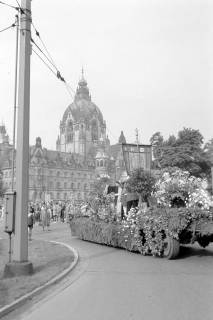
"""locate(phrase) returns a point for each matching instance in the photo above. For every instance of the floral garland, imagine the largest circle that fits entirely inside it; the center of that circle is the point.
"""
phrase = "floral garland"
(145, 230)
(179, 184)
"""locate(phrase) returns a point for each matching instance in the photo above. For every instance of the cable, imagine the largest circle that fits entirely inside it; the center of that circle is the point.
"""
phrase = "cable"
(48, 56)
(45, 63)
(43, 54)
(20, 8)
(8, 5)
(55, 73)
(38, 35)
(11, 26)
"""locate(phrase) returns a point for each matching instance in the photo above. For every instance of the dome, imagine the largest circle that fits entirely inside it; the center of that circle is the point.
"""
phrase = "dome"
(82, 109)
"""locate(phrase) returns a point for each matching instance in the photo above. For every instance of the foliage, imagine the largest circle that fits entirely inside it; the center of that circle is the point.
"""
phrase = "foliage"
(185, 152)
(141, 231)
(141, 182)
(183, 207)
(178, 188)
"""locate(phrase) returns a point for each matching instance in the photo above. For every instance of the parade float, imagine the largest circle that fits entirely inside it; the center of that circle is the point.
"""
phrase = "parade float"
(168, 209)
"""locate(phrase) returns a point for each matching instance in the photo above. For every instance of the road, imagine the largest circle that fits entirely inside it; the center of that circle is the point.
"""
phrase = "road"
(113, 284)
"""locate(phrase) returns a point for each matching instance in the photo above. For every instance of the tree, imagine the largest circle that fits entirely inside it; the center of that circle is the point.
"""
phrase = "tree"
(208, 151)
(99, 186)
(141, 182)
(184, 152)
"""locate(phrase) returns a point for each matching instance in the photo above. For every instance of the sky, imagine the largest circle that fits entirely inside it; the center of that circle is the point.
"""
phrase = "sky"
(148, 64)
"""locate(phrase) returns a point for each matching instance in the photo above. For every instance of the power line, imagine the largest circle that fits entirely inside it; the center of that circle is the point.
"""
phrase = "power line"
(48, 55)
(43, 54)
(55, 73)
(11, 26)
(45, 62)
(8, 5)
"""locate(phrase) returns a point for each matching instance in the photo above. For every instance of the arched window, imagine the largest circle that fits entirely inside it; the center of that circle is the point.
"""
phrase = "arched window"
(101, 163)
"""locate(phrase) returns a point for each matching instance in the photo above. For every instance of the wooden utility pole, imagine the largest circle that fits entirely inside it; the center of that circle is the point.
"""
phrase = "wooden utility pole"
(20, 251)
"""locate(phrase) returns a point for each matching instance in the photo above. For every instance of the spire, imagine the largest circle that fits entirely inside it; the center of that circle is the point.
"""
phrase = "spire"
(82, 72)
(82, 91)
(122, 138)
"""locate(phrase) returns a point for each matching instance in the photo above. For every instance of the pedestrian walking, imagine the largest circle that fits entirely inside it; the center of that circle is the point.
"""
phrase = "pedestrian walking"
(44, 217)
(30, 224)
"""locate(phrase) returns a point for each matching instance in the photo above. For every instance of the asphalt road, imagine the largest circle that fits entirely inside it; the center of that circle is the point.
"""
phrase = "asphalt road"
(113, 284)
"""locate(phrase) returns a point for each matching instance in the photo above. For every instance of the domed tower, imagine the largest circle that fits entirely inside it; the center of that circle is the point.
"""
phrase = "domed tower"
(82, 125)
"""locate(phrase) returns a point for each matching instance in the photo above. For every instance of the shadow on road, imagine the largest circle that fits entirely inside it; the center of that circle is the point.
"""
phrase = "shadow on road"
(186, 252)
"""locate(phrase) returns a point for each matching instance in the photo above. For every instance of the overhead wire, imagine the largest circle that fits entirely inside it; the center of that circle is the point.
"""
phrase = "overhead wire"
(11, 26)
(56, 73)
(37, 46)
(45, 62)
(47, 56)
(8, 5)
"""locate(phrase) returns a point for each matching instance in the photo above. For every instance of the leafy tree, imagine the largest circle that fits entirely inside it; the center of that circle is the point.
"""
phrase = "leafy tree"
(184, 152)
(141, 182)
(99, 186)
(208, 150)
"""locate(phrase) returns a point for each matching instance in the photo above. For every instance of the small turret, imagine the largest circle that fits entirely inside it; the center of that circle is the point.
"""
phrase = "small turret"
(122, 138)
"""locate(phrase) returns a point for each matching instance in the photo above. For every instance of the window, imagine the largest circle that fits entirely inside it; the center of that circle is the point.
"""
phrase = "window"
(79, 185)
(58, 185)
(58, 173)
(72, 185)
(65, 185)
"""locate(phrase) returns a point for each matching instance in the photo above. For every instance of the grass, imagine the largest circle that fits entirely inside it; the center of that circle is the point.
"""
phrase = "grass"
(48, 260)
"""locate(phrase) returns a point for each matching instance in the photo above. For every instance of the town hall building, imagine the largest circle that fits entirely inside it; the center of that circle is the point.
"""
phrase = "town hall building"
(83, 154)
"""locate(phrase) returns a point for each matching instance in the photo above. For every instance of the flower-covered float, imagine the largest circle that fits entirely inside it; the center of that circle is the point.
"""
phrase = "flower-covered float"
(173, 209)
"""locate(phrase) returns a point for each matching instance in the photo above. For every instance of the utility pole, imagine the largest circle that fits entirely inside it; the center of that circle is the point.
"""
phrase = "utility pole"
(20, 264)
(15, 102)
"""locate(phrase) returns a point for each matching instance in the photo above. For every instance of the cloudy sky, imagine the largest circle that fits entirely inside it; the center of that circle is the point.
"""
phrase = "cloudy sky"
(148, 64)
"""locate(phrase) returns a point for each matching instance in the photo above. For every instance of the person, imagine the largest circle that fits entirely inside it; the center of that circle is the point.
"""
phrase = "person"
(49, 212)
(43, 216)
(62, 213)
(30, 224)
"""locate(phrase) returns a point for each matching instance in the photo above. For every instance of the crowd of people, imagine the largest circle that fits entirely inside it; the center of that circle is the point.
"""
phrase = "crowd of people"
(45, 213)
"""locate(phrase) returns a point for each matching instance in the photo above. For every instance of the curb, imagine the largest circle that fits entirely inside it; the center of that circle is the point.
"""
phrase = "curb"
(10, 307)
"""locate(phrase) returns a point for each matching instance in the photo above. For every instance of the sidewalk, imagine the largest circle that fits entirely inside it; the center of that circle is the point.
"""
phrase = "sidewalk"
(51, 260)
